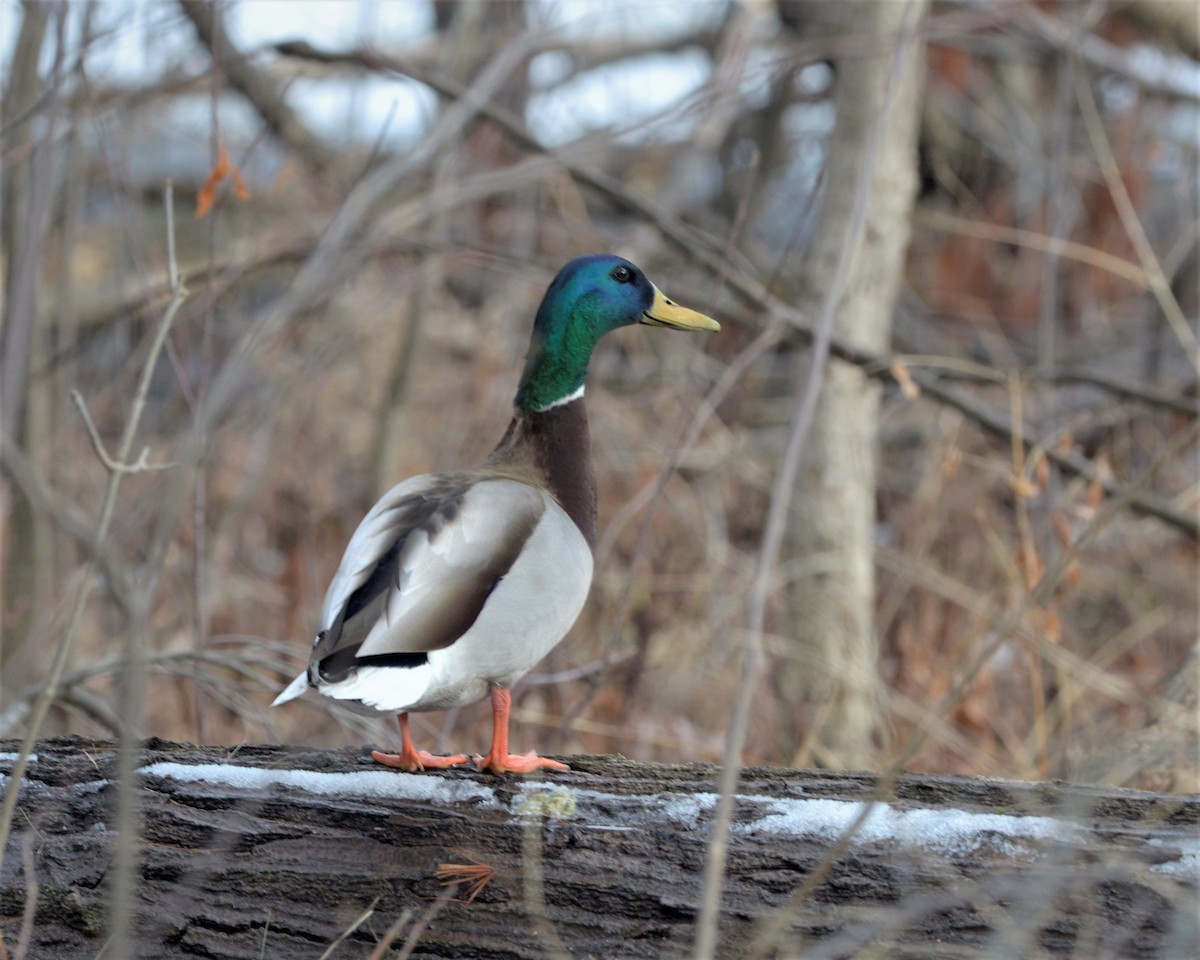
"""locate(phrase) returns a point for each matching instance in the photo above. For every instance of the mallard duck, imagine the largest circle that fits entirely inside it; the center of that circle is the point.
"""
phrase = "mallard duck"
(456, 584)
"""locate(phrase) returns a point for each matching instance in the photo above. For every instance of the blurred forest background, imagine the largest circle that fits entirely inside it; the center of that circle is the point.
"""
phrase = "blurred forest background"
(984, 559)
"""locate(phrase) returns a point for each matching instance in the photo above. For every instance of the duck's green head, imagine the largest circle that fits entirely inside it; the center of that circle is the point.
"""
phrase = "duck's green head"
(591, 296)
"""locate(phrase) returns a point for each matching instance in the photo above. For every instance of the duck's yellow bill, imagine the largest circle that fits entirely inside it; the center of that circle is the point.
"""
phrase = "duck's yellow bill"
(667, 313)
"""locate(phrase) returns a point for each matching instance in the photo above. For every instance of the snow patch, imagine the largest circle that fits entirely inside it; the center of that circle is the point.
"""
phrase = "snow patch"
(947, 832)
(12, 757)
(92, 786)
(1187, 865)
(959, 832)
(950, 832)
(828, 819)
(26, 783)
(687, 810)
(363, 783)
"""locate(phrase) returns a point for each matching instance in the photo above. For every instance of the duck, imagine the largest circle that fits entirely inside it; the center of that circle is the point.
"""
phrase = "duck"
(455, 585)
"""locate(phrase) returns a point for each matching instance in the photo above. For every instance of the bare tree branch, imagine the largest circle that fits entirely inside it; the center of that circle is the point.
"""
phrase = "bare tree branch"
(891, 80)
(708, 252)
(67, 516)
(256, 86)
(62, 654)
(1128, 391)
(1156, 279)
(1173, 18)
(142, 465)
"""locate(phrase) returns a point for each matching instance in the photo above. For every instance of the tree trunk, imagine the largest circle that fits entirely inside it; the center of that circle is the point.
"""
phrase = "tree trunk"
(28, 185)
(275, 852)
(832, 603)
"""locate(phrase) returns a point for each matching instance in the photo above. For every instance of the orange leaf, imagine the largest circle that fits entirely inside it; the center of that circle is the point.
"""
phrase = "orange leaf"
(223, 168)
(1051, 626)
(204, 200)
(208, 193)
(239, 185)
(1062, 527)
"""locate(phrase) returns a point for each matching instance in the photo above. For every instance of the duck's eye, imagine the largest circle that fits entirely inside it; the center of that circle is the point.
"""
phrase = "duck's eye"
(622, 274)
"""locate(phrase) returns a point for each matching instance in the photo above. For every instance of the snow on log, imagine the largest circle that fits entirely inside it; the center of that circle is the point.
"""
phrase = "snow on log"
(271, 851)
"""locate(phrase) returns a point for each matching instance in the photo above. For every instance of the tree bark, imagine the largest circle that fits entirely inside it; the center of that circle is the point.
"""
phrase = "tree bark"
(832, 603)
(273, 851)
(27, 189)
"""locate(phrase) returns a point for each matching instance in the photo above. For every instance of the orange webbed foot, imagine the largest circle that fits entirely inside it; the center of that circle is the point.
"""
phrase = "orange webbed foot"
(417, 760)
(410, 758)
(498, 759)
(517, 763)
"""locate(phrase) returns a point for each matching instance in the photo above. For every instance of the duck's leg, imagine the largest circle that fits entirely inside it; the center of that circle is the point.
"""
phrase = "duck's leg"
(410, 758)
(499, 760)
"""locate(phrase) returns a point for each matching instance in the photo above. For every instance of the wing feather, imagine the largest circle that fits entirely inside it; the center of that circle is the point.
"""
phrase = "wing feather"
(420, 568)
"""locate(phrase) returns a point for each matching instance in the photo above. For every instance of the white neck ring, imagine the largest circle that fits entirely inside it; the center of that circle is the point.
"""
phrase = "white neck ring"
(574, 395)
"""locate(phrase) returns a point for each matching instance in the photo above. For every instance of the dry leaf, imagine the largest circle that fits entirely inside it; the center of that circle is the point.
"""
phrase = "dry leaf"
(240, 190)
(1023, 488)
(1032, 563)
(1041, 470)
(907, 387)
(1053, 627)
(951, 464)
(208, 193)
(1062, 527)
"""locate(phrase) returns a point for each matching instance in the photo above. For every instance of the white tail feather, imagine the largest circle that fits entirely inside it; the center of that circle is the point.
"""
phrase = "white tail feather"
(292, 690)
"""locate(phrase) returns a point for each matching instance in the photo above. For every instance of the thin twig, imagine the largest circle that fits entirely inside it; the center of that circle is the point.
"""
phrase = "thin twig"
(329, 263)
(1128, 391)
(774, 927)
(700, 248)
(956, 369)
(421, 925)
(1056, 246)
(390, 935)
(358, 922)
(32, 889)
(115, 466)
(782, 492)
(1069, 461)
(67, 516)
(262, 946)
(264, 93)
(62, 654)
(125, 867)
(1155, 278)
(1154, 74)
(533, 875)
(692, 423)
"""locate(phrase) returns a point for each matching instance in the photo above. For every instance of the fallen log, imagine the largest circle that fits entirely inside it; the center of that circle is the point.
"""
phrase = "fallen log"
(269, 851)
